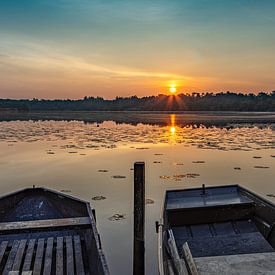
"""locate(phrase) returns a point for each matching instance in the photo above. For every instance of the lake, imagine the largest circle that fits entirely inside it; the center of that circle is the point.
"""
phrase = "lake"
(91, 156)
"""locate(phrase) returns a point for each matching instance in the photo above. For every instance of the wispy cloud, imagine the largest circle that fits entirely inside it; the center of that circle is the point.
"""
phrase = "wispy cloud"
(33, 56)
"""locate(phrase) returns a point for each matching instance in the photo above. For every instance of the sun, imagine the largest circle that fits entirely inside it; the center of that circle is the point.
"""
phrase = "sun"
(173, 89)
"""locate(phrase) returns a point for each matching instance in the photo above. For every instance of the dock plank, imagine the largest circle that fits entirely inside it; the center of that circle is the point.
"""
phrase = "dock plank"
(29, 255)
(19, 255)
(59, 256)
(38, 257)
(48, 256)
(69, 255)
(78, 256)
(11, 257)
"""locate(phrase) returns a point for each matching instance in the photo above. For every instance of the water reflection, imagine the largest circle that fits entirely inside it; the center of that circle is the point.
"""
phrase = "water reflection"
(94, 161)
(152, 118)
(173, 124)
(75, 136)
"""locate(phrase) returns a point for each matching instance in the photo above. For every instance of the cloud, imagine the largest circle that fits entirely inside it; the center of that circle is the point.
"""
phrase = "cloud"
(45, 58)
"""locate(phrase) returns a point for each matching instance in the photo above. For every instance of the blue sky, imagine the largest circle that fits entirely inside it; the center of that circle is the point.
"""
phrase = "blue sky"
(60, 49)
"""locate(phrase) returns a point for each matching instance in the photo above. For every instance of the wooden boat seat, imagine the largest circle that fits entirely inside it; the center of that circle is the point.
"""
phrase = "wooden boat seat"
(49, 223)
(42, 256)
(214, 205)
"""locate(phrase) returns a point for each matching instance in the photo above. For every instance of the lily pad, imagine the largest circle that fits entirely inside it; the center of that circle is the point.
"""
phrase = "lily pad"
(117, 217)
(149, 201)
(98, 198)
(119, 177)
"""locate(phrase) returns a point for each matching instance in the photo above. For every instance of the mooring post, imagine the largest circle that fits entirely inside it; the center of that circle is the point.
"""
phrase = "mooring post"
(139, 218)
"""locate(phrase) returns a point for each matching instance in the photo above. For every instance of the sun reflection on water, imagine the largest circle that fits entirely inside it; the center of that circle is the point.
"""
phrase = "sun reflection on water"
(173, 129)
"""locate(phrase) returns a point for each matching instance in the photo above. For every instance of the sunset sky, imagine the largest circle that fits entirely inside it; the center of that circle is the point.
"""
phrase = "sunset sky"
(73, 48)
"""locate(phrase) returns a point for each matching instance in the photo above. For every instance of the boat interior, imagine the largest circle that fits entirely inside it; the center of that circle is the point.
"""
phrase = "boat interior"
(47, 232)
(219, 221)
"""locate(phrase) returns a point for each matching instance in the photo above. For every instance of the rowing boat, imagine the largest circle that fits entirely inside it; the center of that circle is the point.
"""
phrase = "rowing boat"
(47, 232)
(216, 230)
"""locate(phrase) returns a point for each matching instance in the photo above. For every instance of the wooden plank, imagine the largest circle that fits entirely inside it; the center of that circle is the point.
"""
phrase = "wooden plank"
(38, 257)
(59, 256)
(11, 257)
(255, 263)
(189, 259)
(48, 257)
(29, 255)
(7, 226)
(3, 247)
(14, 273)
(78, 256)
(26, 273)
(177, 262)
(69, 255)
(19, 255)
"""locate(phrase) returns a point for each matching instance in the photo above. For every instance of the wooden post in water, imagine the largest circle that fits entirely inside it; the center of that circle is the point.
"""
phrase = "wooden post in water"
(139, 218)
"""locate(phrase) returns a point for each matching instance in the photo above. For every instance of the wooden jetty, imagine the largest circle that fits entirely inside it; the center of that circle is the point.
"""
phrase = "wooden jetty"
(47, 232)
(216, 230)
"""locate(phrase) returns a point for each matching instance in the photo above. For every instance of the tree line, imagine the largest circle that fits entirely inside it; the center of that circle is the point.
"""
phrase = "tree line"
(224, 101)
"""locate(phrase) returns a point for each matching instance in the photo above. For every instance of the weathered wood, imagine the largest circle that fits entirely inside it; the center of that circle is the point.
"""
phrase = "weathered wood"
(59, 256)
(11, 257)
(139, 218)
(189, 259)
(78, 256)
(254, 263)
(177, 262)
(7, 226)
(38, 257)
(69, 255)
(41, 213)
(19, 255)
(3, 247)
(48, 257)
(29, 255)
(22, 273)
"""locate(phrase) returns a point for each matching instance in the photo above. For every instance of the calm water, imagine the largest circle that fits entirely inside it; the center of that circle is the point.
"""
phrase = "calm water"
(95, 159)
